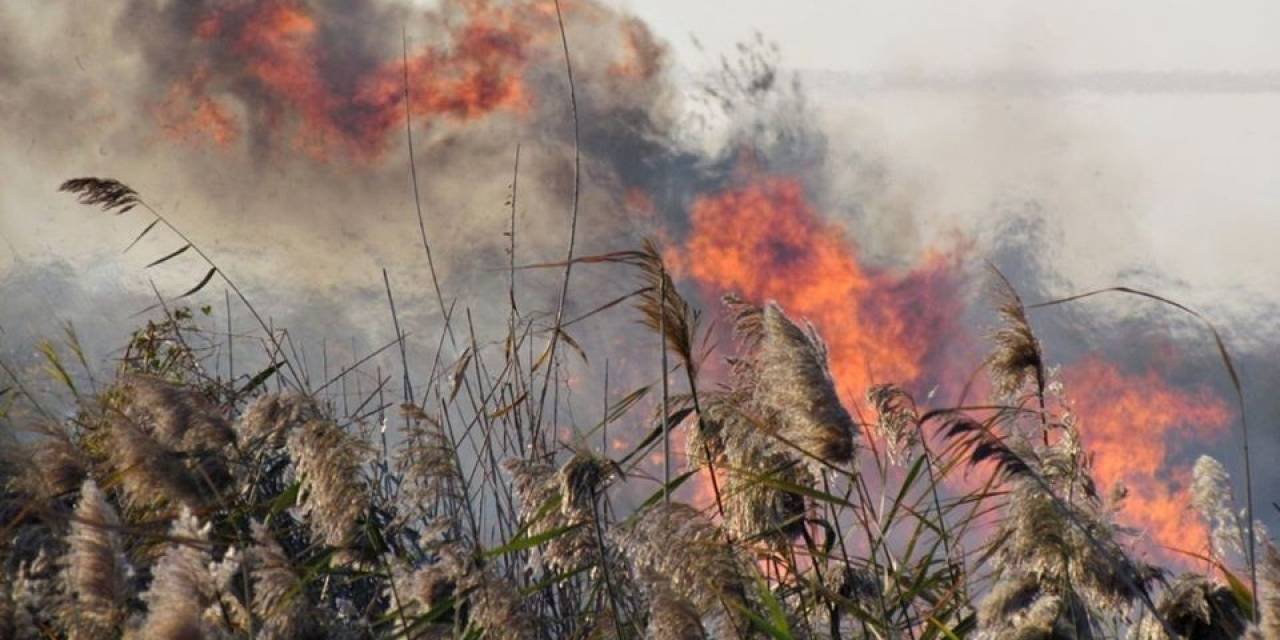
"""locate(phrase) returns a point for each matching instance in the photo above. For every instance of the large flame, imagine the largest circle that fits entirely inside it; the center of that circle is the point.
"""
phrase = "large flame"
(1130, 424)
(275, 52)
(764, 241)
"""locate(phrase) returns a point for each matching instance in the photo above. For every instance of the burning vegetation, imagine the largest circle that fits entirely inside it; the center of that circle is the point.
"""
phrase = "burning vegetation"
(831, 457)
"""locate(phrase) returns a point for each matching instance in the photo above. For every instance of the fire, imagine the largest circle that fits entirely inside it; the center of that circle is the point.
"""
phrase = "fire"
(764, 241)
(1128, 424)
(277, 58)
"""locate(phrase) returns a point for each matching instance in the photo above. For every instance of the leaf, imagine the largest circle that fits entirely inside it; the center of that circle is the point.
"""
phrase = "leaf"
(527, 542)
(203, 281)
(502, 411)
(260, 378)
(168, 257)
(142, 235)
(564, 335)
(459, 373)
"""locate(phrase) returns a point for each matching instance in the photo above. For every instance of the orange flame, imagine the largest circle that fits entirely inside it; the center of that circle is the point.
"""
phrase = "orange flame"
(764, 241)
(1128, 424)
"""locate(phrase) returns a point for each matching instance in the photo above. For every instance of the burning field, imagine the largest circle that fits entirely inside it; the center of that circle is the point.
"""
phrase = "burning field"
(484, 323)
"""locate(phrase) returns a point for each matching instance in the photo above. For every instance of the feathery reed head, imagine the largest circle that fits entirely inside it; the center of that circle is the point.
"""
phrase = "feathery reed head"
(96, 573)
(581, 479)
(1211, 497)
(1194, 607)
(663, 308)
(270, 418)
(49, 467)
(896, 422)
(1268, 625)
(539, 485)
(672, 617)
(670, 545)
(1016, 357)
(110, 195)
(187, 587)
(279, 599)
(333, 495)
(795, 385)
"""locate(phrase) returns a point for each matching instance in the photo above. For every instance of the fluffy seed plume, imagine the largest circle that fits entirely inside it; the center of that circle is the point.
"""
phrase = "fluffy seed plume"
(1016, 357)
(334, 495)
(896, 413)
(47, 468)
(755, 509)
(279, 602)
(110, 195)
(1268, 626)
(672, 546)
(270, 418)
(581, 479)
(1211, 496)
(538, 486)
(187, 586)
(167, 444)
(427, 462)
(663, 308)
(672, 618)
(795, 384)
(96, 574)
(1194, 607)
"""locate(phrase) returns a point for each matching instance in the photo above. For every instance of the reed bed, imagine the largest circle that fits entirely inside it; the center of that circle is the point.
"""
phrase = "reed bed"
(174, 501)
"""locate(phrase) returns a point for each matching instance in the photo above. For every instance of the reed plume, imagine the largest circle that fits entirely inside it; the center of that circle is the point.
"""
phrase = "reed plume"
(1017, 358)
(1268, 624)
(1194, 607)
(662, 308)
(333, 494)
(426, 462)
(167, 444)
(49, 467)
(110, 195)
(896, 420)
(96, 574)
(1212, 499)
(554, 500)
(1057, 549)
(672, 617)
(796, 386)
(268, 420)
(671, 546)
(279, 597)
(188, 596)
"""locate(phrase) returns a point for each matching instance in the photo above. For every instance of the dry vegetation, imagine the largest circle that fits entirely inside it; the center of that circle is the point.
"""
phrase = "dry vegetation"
(173, 502)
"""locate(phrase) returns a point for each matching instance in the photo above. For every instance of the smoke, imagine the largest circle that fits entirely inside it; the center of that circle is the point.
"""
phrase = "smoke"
(273, 133)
